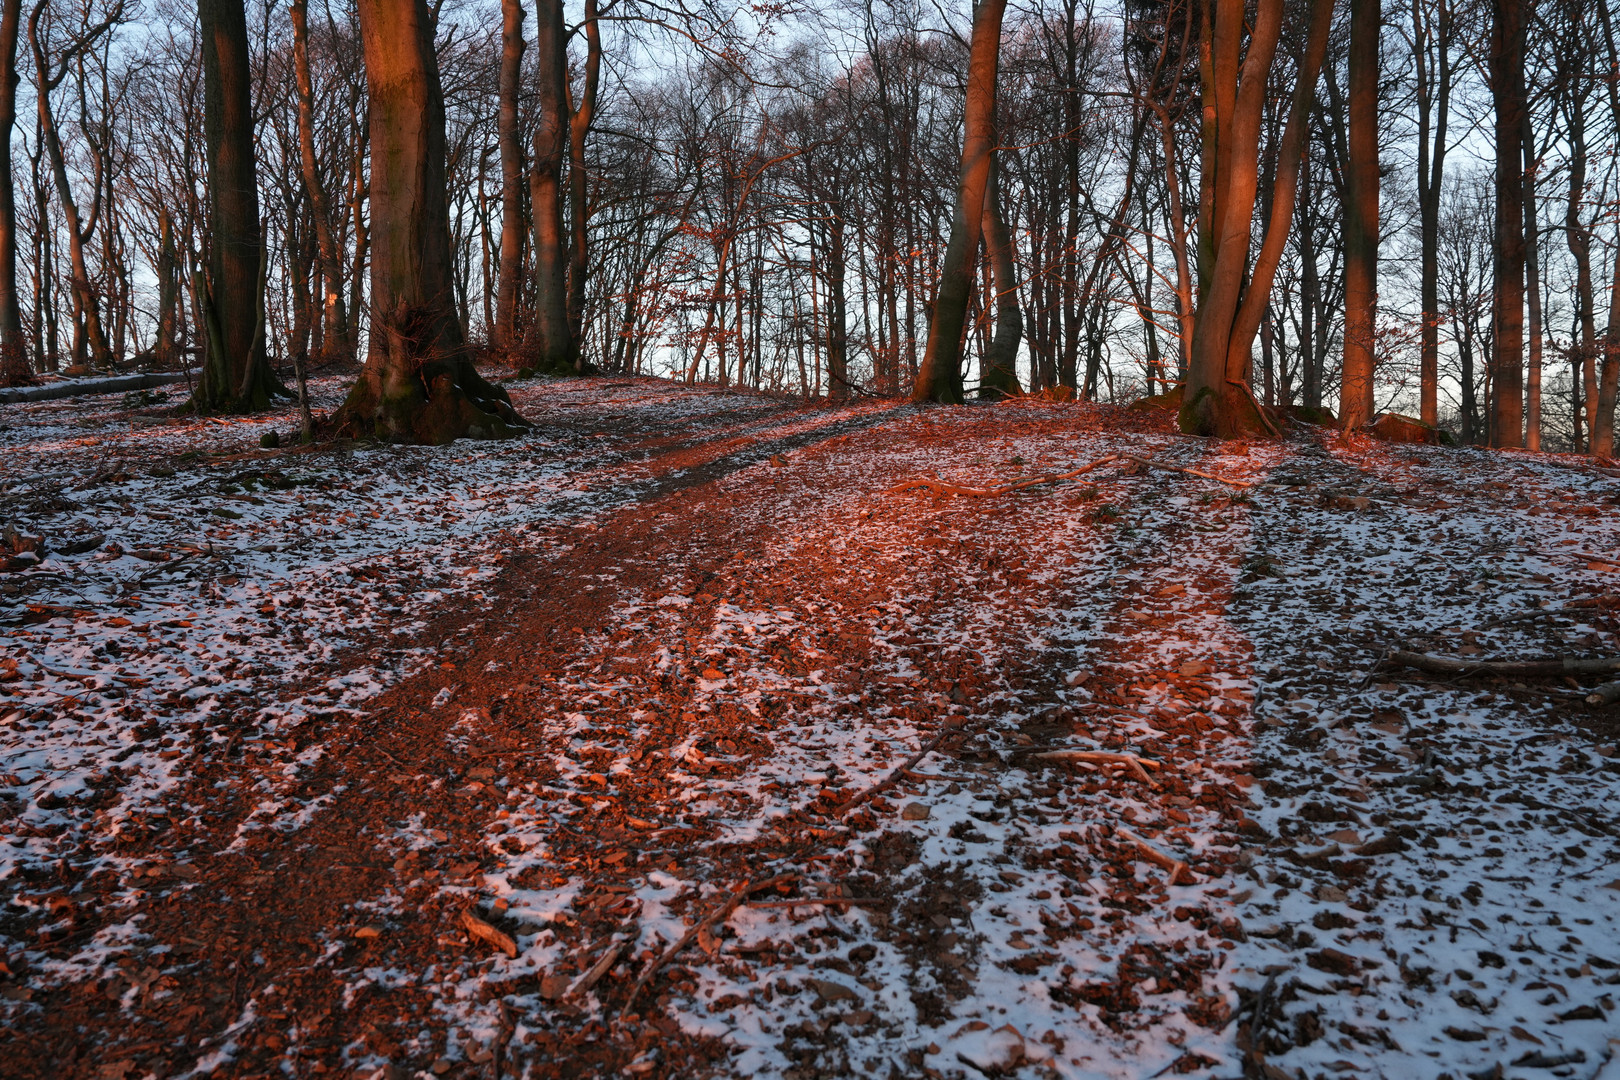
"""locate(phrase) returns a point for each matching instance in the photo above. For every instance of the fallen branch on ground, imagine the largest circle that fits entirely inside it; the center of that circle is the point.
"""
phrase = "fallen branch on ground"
(1179, 874)
(894, 777)
(1167, 467)
(488, 934)
(826, 901)
(1103, 757)
(598, 969)
(1450, 665)
(943, 488)
(719, 914)
(1607, 694)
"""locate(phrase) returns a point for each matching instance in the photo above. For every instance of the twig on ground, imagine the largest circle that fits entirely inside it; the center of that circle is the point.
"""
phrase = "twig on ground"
(825, 901)
(1449, 665)
(1103, 757)
(893, 778)
(719, 914)
(600, 968)
(1153, 463)
(1017, 485)
(1179, 874)
(488, 934)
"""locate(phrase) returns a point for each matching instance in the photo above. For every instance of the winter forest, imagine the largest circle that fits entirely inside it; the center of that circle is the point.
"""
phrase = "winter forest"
(665, 538)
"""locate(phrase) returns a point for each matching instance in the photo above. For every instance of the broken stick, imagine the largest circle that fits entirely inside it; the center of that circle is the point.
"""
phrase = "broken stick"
(1450, 665)
(943, 488)
(1179, 874)
(1103, 757)
(1153, 463)
(1607, 694)
(894, 777)
(488, 934)
(598, 969)
(719, 914)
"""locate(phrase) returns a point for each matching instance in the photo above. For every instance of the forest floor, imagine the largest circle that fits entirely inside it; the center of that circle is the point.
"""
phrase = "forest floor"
(381, 762)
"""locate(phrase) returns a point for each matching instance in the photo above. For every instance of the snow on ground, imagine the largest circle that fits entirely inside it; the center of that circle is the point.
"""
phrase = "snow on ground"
(1385, 873)
(196, 591)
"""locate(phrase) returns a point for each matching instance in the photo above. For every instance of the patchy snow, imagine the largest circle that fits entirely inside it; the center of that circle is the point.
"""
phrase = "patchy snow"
(1367, 871)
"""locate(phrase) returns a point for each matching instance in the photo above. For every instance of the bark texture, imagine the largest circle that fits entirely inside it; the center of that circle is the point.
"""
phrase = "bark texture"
(553, 346)
(14, 367)
(1218, 400)
(419, 384)
(334, 319)
(1361, 220)
(940, 376)
(236, 377)
(509, 139)
(1507, 318)
(1001, 360)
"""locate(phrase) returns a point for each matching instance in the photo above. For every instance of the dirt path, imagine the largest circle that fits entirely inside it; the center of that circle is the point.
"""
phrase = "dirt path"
(670, 689)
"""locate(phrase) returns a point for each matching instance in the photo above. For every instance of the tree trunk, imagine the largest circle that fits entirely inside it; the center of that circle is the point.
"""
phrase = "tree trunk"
(1361, 220)
(1578, 235)
(14, 367)
(236, 377)
(1602, 423)
(1434, 112)
(509, 139)
(580, 118)
(1217, 400)
(553, 349)
(1001, 362)
(1507, 332)
(419, 384)
(334, 330)
(940, 377)
(1532, 281)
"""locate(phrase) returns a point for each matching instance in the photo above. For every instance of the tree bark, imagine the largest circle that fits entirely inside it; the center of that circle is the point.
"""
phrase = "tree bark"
(1001, 361)
(580, 118)
(1532, 281)
(1361, 220)
(940, 376)
(509, 139)
(553, 348)
(236, 378)
(1217, 400)
(1434, 113)
(1507, 330)
(334, 319)
(418, 384)
(14, 367)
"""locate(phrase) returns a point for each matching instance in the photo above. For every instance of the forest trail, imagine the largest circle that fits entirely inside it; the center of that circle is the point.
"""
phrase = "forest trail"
(586, 684)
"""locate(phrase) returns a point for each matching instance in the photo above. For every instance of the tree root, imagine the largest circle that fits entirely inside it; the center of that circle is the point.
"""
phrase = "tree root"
(1167, 467)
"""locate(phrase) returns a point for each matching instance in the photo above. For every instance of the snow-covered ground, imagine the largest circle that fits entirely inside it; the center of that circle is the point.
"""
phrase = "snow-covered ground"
(1387, 874)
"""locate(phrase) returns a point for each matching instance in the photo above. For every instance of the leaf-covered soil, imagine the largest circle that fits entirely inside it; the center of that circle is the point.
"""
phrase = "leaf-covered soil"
(378, 761)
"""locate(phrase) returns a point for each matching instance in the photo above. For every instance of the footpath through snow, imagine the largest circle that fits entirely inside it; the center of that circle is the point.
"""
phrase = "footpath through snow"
(558, 756)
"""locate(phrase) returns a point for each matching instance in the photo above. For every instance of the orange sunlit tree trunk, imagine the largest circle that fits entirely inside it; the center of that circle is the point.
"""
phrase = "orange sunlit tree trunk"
(1231, 300)
(419, 384)
(1361, 219)
(1507, 320)
(940, 376)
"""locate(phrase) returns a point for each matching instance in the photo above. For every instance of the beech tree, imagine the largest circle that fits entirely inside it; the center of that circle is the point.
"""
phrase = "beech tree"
(419, 383)
(235, 376)
(940, 376)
